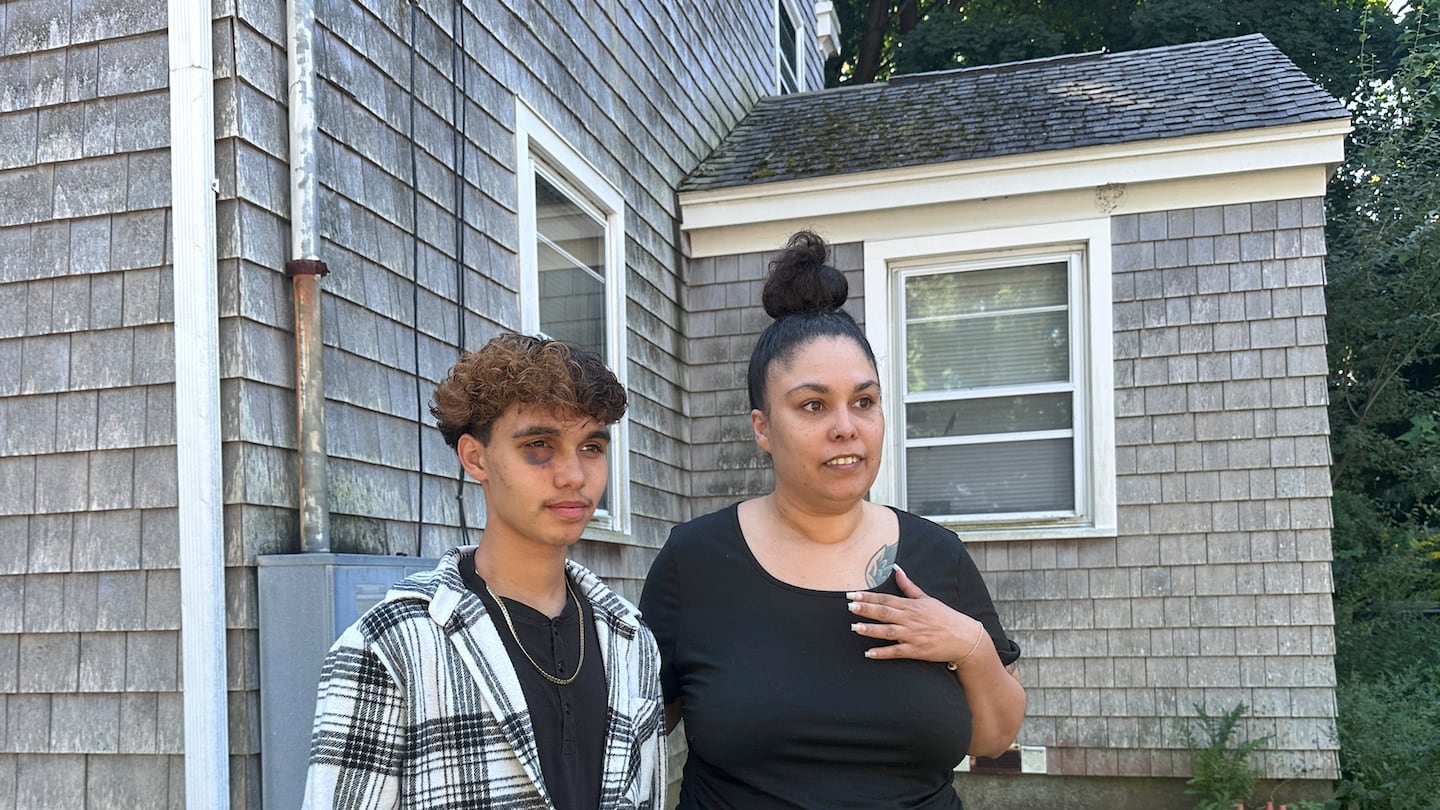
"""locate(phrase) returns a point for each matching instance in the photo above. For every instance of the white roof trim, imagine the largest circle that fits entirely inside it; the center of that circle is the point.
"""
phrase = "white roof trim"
(1193, 157)
(827, 28)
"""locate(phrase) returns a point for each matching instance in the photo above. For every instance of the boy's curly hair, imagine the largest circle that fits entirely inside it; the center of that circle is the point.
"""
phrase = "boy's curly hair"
(531, 371)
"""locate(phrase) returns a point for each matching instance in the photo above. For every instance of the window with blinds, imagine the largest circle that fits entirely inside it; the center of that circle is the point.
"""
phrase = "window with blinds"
(993, 386)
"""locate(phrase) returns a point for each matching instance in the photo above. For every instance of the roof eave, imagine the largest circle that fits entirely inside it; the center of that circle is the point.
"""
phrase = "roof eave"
(1314, 143)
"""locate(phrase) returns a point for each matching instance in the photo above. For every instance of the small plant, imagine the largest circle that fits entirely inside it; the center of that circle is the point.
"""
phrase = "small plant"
(1223, 776)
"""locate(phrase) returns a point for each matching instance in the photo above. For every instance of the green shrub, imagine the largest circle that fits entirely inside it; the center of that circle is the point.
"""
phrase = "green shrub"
(1390, 740)
(1380, 626)
(1223, 776)
(1387, 657)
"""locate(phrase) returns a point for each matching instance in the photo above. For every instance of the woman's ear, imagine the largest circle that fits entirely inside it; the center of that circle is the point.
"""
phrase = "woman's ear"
(472, 456)
(761, 426)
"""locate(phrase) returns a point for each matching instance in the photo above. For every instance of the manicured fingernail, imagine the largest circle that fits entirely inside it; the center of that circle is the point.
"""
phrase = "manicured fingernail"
(901, 570)
(851, 595)
(869, 653)
(855, 627)
(854, 607)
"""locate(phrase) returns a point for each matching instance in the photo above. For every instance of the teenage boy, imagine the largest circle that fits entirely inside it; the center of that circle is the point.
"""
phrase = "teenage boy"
(508, 676)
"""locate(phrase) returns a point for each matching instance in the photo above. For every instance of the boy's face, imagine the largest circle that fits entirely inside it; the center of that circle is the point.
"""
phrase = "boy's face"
(543, 473)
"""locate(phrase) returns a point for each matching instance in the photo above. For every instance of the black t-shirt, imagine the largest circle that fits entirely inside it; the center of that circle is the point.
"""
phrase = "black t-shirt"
(569, 720)
(782, 709)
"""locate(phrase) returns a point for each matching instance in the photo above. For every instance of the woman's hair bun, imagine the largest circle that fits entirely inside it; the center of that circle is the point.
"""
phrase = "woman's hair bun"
(800, 281)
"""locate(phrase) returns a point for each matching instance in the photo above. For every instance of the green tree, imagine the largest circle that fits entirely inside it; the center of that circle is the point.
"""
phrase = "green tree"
(1330, 39)
(1333, 41)
(981, 34)
(1383, 325)
(1384, 290)
(874, 33)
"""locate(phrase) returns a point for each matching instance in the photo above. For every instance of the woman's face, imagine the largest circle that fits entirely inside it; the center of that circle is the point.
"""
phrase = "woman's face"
(822, 424)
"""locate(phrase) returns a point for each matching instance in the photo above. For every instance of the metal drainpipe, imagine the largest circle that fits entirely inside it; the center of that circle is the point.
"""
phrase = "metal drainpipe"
(197, 405)
(305, 269)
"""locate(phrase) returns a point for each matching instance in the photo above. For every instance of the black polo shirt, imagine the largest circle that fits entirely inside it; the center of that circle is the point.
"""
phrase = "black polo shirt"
(569, 720)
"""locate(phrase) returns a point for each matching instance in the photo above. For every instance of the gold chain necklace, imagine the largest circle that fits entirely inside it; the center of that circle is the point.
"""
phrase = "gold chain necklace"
(551, 678)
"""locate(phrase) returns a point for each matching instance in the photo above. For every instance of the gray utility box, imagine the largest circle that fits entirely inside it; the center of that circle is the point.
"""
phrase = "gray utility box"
(306, 602)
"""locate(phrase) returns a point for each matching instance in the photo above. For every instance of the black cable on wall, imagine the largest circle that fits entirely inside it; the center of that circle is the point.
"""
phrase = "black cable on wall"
(459, 118)
(415, 286)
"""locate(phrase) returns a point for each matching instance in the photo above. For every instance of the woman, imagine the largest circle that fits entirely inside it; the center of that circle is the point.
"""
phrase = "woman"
(825, 651)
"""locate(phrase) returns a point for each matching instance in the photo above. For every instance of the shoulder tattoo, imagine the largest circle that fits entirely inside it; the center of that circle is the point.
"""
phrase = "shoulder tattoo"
(877, 570)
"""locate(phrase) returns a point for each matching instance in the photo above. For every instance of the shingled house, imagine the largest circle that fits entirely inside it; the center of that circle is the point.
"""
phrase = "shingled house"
(1097, 279)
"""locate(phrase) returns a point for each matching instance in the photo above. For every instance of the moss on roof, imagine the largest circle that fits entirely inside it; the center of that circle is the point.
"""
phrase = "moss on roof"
(1018, 108)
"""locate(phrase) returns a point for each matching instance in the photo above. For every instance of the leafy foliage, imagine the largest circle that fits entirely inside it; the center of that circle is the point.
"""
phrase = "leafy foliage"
(1383, 238)
(1384, 324)
(1385, 579)
(1323, 37)
(1223, 776)
(881, 38)
(1390, 734)
(950, 38)
(884, 37)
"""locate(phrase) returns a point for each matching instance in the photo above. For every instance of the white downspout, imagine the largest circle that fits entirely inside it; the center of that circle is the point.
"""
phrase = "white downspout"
(197, 406)
(305, 269)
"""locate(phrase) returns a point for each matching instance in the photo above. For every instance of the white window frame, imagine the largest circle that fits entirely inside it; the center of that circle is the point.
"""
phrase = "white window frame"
(792, 8)
(1092, 363)
(540, 150)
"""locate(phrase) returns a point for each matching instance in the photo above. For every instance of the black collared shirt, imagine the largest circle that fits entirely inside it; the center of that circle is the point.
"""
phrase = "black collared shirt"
(569, 720)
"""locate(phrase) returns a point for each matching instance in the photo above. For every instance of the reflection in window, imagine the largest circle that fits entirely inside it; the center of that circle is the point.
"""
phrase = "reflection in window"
(570, 262)
(571, 270)
(787, 48)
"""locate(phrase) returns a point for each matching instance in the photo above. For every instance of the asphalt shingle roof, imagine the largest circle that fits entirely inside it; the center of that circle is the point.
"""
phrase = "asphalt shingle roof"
(1019, 108)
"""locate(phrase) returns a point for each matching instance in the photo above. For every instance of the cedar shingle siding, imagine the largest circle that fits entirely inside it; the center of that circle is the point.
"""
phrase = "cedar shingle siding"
(1217, 589)
(89, 587)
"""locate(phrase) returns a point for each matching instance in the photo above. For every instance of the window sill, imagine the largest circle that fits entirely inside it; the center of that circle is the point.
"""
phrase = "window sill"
(970, 533)
(599, 534)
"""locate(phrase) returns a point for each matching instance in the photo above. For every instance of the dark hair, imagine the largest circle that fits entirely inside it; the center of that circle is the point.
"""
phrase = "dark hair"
(804, 295)
(510, 369)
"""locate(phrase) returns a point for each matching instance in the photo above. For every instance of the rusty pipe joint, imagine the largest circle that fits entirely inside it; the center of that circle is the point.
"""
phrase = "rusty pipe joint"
(310, 406)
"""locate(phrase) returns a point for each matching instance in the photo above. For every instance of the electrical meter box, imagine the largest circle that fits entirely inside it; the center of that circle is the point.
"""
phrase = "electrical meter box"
(306, 601)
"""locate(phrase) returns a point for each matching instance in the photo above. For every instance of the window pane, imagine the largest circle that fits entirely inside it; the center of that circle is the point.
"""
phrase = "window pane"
(570, 254)
(980, 328)
(983, 351)
(924, 420)
(987, 479)
(981, 291)
(570, 263)
(787, 45)
(572, 306)
(570, 228)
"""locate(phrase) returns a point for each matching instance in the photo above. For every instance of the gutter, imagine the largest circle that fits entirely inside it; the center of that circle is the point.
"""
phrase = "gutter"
(197, 406)
(305, 269)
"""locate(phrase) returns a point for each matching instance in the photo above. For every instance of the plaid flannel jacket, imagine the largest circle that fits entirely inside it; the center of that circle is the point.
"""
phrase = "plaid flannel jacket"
(420, 707)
